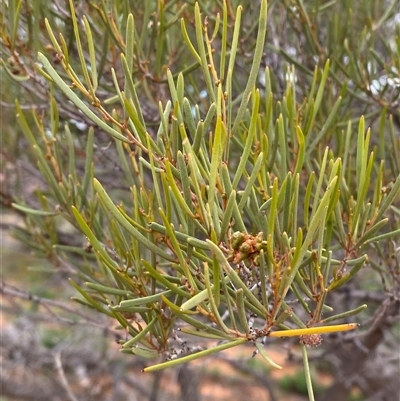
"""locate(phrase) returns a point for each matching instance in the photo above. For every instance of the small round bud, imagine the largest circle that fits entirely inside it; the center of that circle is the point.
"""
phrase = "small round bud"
(237, 239)
(311, 340)
(245, 248)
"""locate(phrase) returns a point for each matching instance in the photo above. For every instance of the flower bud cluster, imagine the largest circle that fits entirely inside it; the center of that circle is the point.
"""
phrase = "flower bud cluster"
(246, 246)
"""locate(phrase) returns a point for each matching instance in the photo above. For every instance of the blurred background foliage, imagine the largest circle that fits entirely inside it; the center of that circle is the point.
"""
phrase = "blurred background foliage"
(324, 64)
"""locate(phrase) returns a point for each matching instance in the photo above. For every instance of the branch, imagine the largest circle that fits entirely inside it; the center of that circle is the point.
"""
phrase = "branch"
(50, 304)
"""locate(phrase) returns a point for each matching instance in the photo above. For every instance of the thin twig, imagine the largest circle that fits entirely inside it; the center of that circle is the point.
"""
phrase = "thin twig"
(24, 106)
(48, 304)
(62, 377)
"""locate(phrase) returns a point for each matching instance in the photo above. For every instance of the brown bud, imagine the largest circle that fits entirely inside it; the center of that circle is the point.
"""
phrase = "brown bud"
(311, 340)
